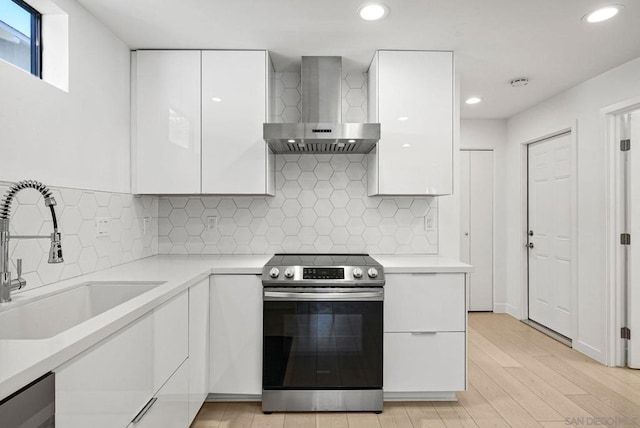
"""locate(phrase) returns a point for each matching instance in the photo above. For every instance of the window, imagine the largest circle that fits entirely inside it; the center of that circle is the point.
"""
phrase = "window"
(20, 35)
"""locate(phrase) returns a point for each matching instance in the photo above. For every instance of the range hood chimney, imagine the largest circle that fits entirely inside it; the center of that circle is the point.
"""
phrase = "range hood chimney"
(321, 130)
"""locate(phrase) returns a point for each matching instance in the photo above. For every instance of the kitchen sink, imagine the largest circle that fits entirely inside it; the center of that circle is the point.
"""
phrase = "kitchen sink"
(46, 316)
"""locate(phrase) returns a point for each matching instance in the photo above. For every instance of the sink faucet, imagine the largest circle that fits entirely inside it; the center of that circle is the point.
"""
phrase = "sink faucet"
(55, 251)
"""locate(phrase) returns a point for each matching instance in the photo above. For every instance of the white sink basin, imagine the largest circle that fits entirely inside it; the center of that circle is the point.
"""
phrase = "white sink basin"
(45, 316)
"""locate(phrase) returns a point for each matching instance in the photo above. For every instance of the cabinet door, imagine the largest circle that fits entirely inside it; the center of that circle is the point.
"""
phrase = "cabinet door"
(234, 108)
(166, 122)
(236, 334)
(198, 346)
(415, 109)
(107, 385)
(171, 407)
(432, 362)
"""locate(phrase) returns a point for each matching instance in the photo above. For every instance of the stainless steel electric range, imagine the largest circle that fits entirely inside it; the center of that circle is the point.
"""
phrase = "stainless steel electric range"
(322, 340)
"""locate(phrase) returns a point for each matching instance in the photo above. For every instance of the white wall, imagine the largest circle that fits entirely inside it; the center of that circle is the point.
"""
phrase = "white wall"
(582, 104)
(78, 139)
(492, 135)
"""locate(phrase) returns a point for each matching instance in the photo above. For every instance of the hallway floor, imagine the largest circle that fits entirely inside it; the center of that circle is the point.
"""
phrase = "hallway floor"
(518, 377)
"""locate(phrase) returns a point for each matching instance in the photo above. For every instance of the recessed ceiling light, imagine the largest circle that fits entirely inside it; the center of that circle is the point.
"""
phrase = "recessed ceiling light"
(602, 14)
(473, 100)
(352, 141)
(373, 11)
(406, 145)
(403, 118)
(291, 141)
(216, 99)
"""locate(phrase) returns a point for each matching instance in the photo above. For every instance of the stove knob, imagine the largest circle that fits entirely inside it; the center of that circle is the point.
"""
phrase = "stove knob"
(372, 272)
(357, 273)
(288, 273)
(274, 272)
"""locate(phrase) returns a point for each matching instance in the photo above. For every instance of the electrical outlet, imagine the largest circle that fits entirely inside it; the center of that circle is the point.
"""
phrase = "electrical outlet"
(102, 226)
(430, 221)
(212, 223)
(146, 225)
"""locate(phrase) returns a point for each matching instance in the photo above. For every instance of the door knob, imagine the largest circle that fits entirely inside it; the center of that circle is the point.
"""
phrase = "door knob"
(530, 245)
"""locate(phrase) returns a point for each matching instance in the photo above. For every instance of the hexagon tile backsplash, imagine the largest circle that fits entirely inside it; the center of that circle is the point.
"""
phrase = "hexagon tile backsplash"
(287, 91)
(83, 251)
(320, 206)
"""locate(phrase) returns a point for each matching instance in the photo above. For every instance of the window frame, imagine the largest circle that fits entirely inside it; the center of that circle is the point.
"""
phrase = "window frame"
(35, 36)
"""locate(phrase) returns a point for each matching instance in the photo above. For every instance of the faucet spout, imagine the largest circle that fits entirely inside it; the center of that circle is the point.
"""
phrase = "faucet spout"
(55, 251)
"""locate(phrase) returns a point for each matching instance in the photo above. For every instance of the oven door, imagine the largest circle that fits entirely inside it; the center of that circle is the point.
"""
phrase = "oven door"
(324, 338)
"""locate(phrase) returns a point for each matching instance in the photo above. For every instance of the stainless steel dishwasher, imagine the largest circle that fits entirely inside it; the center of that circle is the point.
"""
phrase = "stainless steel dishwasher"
(33, 406)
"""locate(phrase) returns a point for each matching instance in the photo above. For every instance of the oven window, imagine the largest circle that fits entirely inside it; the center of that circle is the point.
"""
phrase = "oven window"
(322, 345)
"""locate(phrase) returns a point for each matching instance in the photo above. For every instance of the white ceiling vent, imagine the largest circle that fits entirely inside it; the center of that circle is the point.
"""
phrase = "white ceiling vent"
(520, 81)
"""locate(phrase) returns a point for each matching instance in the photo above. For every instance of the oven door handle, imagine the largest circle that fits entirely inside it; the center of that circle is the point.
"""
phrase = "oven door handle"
(346, 296)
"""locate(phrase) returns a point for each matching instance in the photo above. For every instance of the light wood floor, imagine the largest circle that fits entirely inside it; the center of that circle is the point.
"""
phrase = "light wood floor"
(518, 377)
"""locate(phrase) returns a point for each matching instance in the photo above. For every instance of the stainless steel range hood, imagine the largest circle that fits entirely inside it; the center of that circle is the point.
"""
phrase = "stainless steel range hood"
(321, 130)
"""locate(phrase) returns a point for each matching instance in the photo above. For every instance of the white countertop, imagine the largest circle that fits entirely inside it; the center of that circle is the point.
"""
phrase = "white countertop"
(22, 361)
(420, 264)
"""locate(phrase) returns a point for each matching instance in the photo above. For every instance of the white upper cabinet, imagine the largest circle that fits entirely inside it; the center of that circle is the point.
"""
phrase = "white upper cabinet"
(411, 95)
(197, 122)
(235, 104)
(166, 122)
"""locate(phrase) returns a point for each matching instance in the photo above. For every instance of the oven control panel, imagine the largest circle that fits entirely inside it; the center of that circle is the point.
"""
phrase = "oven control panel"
(322, 273)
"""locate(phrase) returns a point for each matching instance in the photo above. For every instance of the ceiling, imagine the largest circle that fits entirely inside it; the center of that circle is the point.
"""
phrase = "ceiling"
(494, 40)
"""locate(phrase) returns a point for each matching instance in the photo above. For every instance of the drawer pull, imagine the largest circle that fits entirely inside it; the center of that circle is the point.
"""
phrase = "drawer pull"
(144, 410)
(424, 333)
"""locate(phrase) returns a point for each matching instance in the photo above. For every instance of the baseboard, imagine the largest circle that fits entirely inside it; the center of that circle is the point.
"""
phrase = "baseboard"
(590, 351)
(420, 396)
(500, 308)
(513, 311)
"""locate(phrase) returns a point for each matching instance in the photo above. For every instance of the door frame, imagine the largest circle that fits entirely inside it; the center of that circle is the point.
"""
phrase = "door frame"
(572, 130)
(493, 221)
(616, 293)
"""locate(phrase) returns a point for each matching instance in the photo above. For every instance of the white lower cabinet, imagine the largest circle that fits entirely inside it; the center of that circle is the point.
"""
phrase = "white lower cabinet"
(198, 346)
(424, 335)
(107, 385)
(170, 408)
(424, 302)
(236, 335)
(430, 362)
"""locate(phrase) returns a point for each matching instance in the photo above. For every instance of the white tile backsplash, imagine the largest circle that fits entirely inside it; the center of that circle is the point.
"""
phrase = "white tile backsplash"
(288, 108)
(83, 251)
(320, 206)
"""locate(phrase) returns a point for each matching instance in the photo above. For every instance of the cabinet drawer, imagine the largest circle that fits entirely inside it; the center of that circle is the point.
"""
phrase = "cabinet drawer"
(171, 333)
(424, 302)
(424, 362)
(171, 406)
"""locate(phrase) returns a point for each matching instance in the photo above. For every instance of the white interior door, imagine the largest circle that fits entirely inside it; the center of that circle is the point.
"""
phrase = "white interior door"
(631, 130)
(476, 216)
(550, 233)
